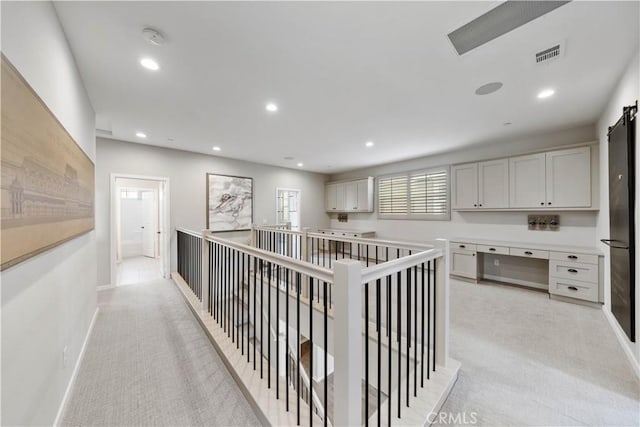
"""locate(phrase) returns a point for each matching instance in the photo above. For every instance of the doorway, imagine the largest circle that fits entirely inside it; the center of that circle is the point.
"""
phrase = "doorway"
(139, 219)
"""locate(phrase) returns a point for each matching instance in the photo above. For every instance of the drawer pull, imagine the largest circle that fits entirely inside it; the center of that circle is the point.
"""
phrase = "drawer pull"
(492, 249)
(572, 288)
(528, 253)
(462, 246)
(572, 270)
(572, 257)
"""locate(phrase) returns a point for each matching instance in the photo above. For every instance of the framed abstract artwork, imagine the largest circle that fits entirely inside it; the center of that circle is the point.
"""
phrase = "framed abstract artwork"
(47, 185)
(229, 202)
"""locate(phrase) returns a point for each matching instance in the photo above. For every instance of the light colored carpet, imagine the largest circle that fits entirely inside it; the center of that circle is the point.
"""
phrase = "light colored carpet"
(529, 360)
(148, 362)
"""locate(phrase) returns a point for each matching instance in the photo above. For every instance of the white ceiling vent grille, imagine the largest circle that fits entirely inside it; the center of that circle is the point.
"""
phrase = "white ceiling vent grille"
(556, 51)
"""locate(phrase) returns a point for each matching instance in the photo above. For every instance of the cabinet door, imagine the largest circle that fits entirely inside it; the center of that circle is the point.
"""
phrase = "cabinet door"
(350, 196)
(340, 195)
(330, 192)
(465, 186)
(569, 178)
(463, 263)
(365, 195)
(527, 181)
(493, 184)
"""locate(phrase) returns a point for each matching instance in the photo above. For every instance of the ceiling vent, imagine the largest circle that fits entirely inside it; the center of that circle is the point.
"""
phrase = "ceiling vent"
(498, 21)
(550, 54)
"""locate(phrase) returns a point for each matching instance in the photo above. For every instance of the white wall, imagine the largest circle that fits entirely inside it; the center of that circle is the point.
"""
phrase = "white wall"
(626, 93)
(187, 180)
(577, 227)
(47, 301)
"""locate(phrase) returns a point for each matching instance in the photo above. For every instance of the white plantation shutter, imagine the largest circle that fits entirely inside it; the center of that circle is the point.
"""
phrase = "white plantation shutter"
(416, 195)
(392, 195)
(428, 193)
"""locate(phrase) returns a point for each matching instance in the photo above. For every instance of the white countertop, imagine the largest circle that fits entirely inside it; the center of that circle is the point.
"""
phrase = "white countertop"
(528, 245)
(346, 231)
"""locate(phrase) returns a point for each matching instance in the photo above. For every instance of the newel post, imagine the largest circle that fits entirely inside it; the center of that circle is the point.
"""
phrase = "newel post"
(305, 244)
(252, 242)
(205, 272)
(347, 343)
(442, 303)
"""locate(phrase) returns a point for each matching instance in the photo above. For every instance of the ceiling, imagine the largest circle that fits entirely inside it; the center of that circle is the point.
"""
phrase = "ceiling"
(342, 73)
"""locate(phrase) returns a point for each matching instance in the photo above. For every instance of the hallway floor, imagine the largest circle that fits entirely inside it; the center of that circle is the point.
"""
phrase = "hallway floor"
(148, 362)
(138, 270)
(530, 360)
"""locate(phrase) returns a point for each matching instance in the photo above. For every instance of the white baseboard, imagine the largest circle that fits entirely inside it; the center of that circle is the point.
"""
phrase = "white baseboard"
(622, 339)
(105, 287)
(76, 368)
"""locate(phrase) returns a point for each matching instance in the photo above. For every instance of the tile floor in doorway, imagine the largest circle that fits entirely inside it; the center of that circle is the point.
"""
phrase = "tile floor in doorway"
(138, 269)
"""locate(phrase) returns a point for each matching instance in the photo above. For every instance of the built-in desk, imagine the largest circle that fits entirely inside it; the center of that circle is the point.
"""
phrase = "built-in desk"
(366, 234)
(565, 271)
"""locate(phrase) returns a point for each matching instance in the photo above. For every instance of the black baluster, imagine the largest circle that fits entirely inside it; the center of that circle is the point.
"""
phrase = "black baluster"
(366, 353)
(255, 309)
(408, 328)
(324, 296)
(298, 343)
(428, 316)
(379, 327)
(287, 336)
(269, 326)
(261, 319)
(278, 331)
(435, 305)
(311, 350)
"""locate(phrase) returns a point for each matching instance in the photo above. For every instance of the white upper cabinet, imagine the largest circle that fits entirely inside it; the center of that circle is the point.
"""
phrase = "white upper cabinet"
(351, 196)
(331, 199)
(527, 178)
(481, 185)
(464, 181)
(569, 178)
(552, 180)
(493, 184)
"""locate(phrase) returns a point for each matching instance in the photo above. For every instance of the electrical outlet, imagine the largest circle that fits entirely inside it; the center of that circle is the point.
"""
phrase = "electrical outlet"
(64, 356)
(496, 262)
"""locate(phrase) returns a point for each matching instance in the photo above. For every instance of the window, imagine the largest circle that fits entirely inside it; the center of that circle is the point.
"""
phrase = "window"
(415, 195)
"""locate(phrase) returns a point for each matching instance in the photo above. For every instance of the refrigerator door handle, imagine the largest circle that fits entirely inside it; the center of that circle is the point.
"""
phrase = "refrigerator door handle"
(609, 243)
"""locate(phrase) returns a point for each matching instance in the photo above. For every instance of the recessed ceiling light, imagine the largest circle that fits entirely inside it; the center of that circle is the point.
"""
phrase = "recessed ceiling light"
(369, 143)
(141, 134)
(546, 93)
(488, 88)
(271, 107)
(149, 64)
(153, 36)
(300, 165)
(216, 148)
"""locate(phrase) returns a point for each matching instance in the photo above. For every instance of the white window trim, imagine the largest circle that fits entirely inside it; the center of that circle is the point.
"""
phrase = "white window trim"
(408, 215)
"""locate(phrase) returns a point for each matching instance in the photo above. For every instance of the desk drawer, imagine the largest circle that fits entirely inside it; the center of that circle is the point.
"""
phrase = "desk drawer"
(574, 271)
(571, 257)
(573, 289)
(502, 250)
(463, 245)
(529, 253)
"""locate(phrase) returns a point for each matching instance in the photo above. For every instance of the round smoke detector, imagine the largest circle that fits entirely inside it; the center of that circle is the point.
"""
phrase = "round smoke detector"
(488, 88)
(153, 36)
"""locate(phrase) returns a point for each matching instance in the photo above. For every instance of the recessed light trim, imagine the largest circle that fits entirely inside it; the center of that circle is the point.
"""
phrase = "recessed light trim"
(546, 93)
(216, 148)
(149, 64)
(369, 144)
(271, 107)
(300, 164)
(141, 134)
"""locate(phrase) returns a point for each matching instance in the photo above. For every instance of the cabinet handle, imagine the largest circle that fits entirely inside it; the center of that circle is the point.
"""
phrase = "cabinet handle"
(542, 203)
(572, 270)
(333, 209)
(355, 207)
(462, 246)
(572, 288)
(548, 203)
(475, 205)
(528, 253)
(473, 254)
(572, 257)
(480, 204)
(492, 249)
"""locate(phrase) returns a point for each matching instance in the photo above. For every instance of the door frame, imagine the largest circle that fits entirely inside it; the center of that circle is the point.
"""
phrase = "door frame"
(297, 190)
(165, 237)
